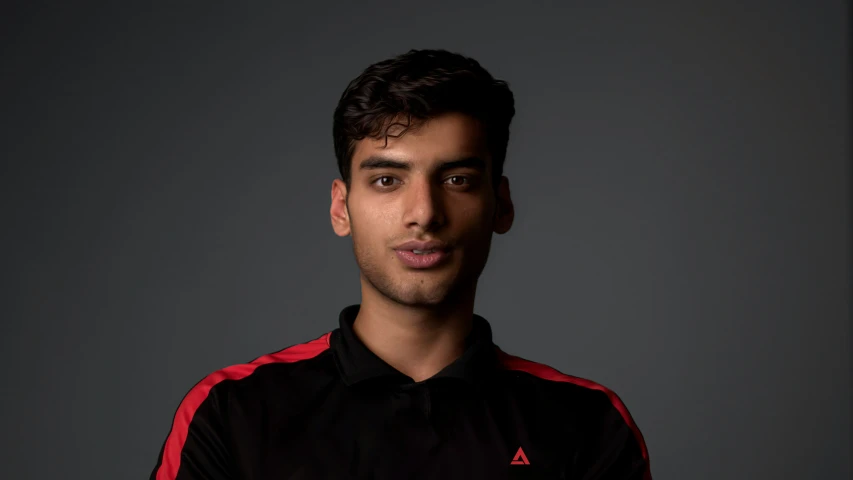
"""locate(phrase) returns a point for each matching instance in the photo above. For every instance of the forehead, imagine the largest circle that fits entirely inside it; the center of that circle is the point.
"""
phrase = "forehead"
(445, 137)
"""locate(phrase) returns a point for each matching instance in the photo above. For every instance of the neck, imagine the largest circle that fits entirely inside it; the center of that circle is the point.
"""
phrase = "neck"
(417, 341)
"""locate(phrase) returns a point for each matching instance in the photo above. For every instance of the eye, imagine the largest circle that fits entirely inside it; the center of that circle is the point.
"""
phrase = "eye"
(389, 181)
(459, 178)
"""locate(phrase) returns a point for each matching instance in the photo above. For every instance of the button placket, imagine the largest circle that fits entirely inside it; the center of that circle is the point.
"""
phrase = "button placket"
(427, 402)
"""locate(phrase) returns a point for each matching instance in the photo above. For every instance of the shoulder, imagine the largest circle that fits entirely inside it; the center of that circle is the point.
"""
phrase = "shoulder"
(600, 407)
(212, 390)
(204, 407)
(292, 356)
(551, 378)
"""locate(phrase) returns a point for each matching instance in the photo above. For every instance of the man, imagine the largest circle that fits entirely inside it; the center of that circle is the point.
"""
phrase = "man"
(410, 385)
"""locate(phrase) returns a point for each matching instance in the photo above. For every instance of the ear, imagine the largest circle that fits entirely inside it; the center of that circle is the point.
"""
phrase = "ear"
(505, 211)
(339, 211)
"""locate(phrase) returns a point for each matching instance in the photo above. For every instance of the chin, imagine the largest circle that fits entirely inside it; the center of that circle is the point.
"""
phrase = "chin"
(423, 298)
(436, 296)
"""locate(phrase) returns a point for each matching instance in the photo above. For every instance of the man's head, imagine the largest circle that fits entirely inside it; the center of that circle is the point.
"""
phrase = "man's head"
(420, 141)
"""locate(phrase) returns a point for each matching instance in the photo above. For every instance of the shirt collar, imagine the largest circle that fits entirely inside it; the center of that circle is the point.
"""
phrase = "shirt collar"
(356, 363)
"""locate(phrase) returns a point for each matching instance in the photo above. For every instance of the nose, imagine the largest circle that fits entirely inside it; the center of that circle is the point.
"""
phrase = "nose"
(424, 205)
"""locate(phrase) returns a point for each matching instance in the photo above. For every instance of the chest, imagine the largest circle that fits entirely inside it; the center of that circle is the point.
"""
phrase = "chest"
(417, 433)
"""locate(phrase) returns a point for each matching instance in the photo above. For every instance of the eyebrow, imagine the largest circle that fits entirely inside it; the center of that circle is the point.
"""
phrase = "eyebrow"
(376, 162)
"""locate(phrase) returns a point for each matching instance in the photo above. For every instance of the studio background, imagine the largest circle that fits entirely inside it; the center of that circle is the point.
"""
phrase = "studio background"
(680, 174)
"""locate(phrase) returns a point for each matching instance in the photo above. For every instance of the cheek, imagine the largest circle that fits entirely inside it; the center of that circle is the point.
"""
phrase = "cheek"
(380, 218)
(373, 210)
(371, 226)
(476, 218)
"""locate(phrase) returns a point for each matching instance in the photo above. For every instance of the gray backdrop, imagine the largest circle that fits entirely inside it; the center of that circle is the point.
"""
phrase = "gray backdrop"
(682, 193)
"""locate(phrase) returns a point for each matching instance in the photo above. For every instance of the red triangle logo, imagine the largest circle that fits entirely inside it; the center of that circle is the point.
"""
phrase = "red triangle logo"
(520, 458)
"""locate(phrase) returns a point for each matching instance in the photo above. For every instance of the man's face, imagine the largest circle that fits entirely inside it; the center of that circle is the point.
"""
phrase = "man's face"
(405, 192)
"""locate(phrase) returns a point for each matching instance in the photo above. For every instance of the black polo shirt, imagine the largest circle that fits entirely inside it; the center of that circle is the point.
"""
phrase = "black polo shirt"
(331, 409)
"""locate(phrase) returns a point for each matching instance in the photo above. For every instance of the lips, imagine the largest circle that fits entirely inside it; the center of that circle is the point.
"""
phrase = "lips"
(420, 261)
(423, 246)
(433, 253)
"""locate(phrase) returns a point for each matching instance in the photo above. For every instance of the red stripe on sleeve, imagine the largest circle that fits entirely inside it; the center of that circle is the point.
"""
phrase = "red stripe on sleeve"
(168, 469)
(545, 372)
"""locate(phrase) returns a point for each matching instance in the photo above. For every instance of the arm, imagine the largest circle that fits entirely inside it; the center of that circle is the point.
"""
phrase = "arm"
(617, 450)
(196, 447)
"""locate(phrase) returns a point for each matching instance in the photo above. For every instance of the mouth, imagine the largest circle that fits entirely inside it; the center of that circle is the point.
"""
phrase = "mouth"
(422, 259)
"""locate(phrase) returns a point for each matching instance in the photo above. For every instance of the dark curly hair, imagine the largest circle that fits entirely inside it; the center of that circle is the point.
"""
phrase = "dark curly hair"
(419, 85)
